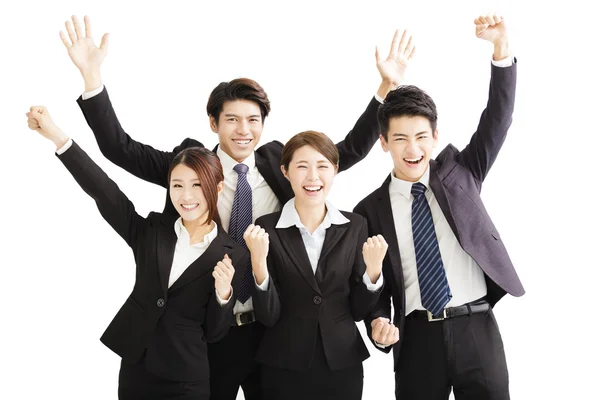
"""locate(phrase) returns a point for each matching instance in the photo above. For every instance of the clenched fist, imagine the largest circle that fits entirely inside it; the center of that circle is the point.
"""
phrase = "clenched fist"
(38, 119)
(384, 332)
(257, 241)
(223, 274)
(374, 250)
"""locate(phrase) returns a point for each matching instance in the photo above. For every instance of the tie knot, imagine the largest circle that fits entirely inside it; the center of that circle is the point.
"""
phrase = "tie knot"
(241, 169)
(418, 189)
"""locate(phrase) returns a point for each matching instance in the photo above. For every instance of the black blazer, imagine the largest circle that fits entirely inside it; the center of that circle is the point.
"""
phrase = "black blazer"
(455, 179)
(170, 326)
(299, 303)
(152, 165)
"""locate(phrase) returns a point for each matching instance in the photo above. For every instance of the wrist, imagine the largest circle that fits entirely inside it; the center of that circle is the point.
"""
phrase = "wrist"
(60, 140)
(92, 79)
(386, 86)
(501, 49)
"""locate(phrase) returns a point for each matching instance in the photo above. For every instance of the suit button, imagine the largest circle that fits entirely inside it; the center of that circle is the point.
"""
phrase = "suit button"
(160, 302)
(317, 300)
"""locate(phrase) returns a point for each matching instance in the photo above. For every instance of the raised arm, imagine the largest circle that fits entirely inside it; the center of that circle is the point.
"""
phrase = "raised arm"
(359, 141)
(114, 206)
(139, 159)
(481, 152)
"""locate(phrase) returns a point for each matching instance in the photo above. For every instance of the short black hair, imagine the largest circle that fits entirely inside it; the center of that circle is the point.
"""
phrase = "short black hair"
(408, 101)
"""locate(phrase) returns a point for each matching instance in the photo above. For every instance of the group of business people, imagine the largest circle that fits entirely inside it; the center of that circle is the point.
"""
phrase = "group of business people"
(250, 278)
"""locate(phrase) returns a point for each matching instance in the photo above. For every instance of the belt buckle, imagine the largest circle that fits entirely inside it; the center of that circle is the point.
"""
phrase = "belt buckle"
(430, 316)
(238, 318)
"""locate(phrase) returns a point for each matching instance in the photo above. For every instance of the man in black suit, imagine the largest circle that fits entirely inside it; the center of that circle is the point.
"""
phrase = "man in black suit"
(254, 183)
(446, 265)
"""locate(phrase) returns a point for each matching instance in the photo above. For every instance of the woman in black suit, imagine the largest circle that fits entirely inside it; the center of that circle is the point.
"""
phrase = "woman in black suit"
(316, 274)
(182, 297)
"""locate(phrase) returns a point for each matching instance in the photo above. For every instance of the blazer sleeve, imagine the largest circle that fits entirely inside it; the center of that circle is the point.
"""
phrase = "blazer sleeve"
(481, 152)
(116, 145)
(267, 305)
(113, 204)
(359, 141)
(362, 300)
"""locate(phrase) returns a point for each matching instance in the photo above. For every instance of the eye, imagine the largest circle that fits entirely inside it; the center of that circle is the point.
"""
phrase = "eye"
(254, 120)
(323, 166)
(231, 119)
(301, 167)
(398, 139)
(176, 185)
(196, 185)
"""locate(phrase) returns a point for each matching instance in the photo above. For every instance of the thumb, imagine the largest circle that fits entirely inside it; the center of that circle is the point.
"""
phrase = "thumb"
(227, 257)
(104, 43)
(377, 59)
(37, 109)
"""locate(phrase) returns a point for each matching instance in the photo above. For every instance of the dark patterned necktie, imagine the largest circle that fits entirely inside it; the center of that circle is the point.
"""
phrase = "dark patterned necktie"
(435, 291)
(241, 217)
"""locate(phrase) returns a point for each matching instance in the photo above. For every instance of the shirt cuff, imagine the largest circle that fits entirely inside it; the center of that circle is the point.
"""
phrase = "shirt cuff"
(378, 98)
(66, 147)
(92, 93)
(263, 286)
(373, 287)
(221, 301)
(506, 62)
(381, 346)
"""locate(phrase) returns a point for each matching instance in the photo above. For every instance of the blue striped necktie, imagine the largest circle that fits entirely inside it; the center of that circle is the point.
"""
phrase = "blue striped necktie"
(435, 291)
(241, 217)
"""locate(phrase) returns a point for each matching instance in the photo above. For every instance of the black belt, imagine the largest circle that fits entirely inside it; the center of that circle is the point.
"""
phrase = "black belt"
(451, 312)
(243, 318)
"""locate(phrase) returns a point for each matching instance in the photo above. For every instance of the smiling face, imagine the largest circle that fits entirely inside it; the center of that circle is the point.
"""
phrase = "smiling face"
(410, 141)
(187, 195)
(311, 175)
(239, 127)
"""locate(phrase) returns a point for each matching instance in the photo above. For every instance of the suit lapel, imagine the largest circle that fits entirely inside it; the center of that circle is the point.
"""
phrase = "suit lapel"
(272, 173)
(294, 245)
(203, 264)
(440, 195)
(167, 239)
(333, 235)
(388, 230)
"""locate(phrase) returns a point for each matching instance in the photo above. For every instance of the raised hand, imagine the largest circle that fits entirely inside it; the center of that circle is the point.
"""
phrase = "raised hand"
(492, 28)
(393, 68)
(257, 241)
(223, 274)
(38, 119)
(86, 56)
(374, 250)
(384, 332)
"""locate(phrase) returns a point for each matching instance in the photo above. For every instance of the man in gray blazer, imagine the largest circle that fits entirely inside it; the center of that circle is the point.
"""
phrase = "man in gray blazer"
(446, 265)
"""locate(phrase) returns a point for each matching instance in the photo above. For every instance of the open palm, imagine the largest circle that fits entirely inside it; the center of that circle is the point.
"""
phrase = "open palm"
(394, 67)
(81, 48)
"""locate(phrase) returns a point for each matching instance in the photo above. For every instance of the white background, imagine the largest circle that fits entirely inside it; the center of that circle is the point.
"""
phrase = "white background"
(65, 273)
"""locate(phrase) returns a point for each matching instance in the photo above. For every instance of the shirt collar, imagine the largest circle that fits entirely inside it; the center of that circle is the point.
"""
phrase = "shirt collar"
(208, 238)
(228, 163)
(403, 187)
(289, 216)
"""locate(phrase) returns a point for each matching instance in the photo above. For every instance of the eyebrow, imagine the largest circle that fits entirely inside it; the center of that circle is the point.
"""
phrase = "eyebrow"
(235, 115)
(306, 162)
(181, 180)
(405, 135)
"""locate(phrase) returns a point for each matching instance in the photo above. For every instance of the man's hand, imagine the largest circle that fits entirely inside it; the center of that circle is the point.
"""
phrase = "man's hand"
(493, 29)
(38, 119)
(393, 68)
(86, 56)
(384, 332)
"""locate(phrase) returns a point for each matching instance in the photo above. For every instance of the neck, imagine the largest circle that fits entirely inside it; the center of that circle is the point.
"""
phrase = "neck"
(311, 215)
(196, 230)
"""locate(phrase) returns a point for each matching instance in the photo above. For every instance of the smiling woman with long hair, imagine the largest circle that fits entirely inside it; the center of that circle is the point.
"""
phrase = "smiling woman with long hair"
(183, 295)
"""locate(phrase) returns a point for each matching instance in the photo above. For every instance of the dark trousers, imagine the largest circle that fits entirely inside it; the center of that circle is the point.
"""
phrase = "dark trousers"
(136, 383)
(318, 383)
(232, 363)
(463, 353)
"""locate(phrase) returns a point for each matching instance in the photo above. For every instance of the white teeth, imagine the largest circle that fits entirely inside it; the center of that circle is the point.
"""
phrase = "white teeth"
(413, 159)
(312, 188)
(242, 141)
(189, 206)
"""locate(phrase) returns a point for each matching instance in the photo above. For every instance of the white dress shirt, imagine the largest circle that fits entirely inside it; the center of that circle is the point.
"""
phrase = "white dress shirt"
(314, 242)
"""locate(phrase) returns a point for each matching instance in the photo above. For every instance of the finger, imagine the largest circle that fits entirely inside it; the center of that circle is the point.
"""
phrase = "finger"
(396, 336)
(376, 331)
(248, 230)
(71, 32)
(34, 126)
(490, 20)
(227, 264)
(384, 320)
(409, 47)
(64, 39)
(370, 242)
(382, 240)
(377, 58)
(104, 43)
(395, 43)
(37, 109)
(412, 53)
(88, 27)
(77, 25)
(403, 41)
(216, 276)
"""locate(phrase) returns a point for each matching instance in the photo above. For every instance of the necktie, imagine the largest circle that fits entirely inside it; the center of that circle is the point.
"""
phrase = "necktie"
(435, 291)
(241, 217)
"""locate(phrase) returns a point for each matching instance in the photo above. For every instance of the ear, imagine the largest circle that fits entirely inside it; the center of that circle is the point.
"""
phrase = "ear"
(284, 172)
(435, 138)
(213, 124)
(220, 187)
(383, 142)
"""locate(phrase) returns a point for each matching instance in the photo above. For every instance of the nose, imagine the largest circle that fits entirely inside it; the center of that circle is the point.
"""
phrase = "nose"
(313, 174)
(243, 128)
